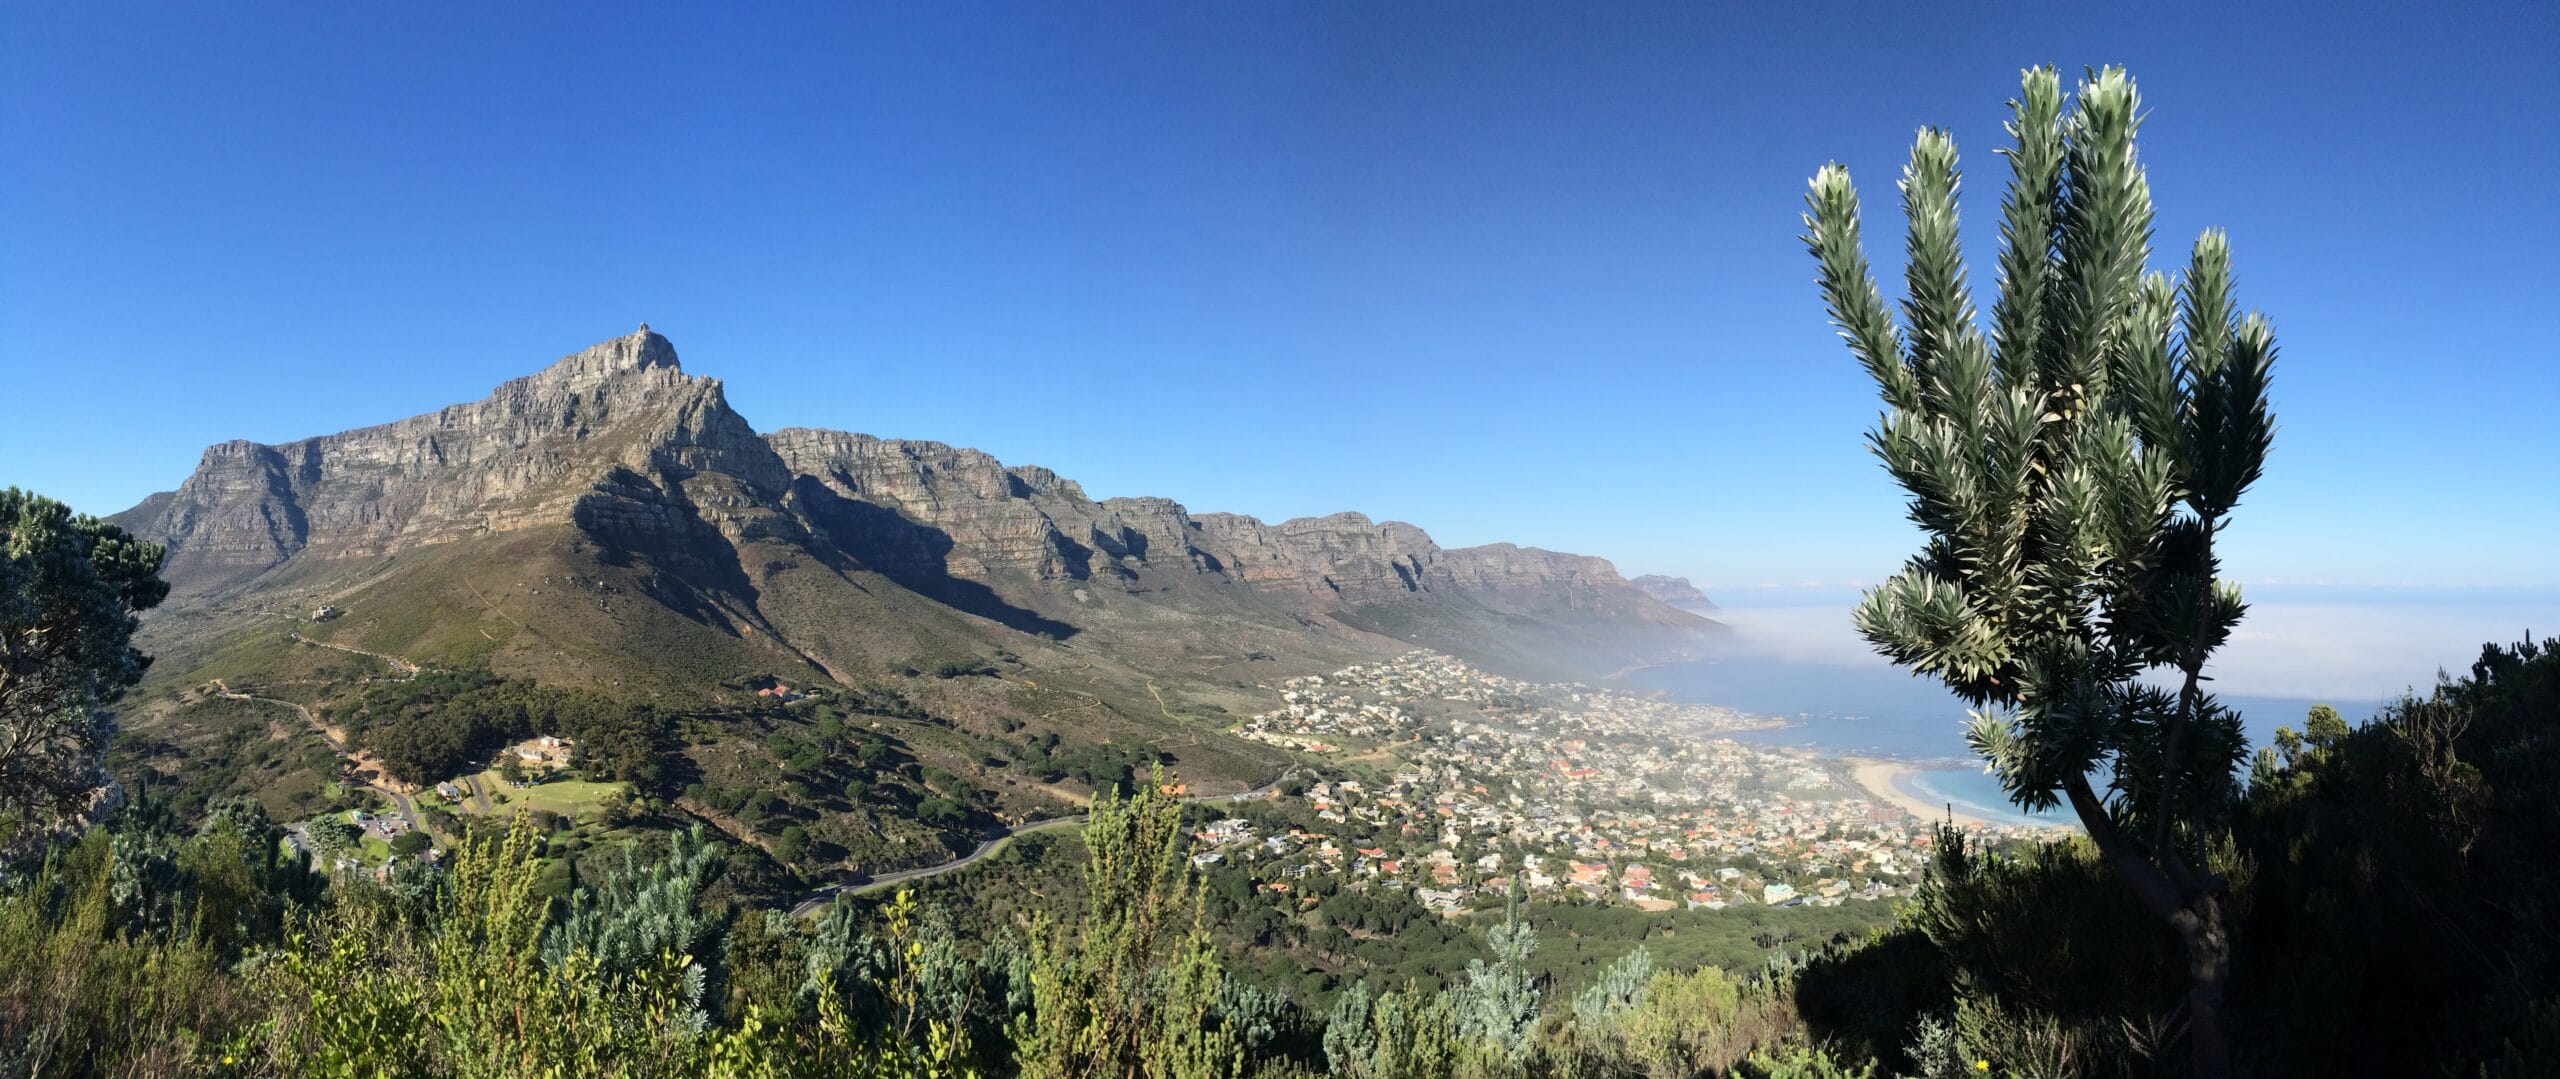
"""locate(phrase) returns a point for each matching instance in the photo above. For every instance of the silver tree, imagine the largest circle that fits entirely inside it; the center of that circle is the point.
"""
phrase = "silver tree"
(2070, 470)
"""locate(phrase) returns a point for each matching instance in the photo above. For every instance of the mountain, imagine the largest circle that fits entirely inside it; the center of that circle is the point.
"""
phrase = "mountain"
(539, 450)
(1675, 592)
(637, 463)
(610, 523)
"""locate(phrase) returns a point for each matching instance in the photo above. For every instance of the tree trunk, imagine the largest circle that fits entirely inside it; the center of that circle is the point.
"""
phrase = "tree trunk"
(2195, 909)
(2205, 928)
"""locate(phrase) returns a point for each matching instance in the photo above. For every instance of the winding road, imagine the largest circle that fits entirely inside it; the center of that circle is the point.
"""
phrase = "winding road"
(408, 670)
(818, 900)
(408, 809)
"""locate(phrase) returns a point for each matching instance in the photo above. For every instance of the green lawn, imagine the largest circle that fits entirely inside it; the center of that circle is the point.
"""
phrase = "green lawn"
(572, 798)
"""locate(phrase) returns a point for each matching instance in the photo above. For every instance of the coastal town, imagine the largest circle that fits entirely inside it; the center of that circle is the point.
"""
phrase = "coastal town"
(1465, 787)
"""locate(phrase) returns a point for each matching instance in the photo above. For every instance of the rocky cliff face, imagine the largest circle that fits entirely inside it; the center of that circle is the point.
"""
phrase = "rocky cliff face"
(1675, 591)
(619, 443)
(526, 455)
(1028, 521)
(997, 519)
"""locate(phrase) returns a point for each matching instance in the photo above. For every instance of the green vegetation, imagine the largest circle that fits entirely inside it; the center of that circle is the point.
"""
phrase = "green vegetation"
(2391, 905)
(1099, 766)
(1136, 989)
(70, 586)
(441, 724)
(117, 953)
(2372, 900)
(576, 799)
(1321, 936)
(2070, 472)
(229, 749)
(963, 668)
(146, 946)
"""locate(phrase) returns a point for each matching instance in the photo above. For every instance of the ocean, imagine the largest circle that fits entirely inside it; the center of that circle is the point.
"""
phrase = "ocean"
(1877, 710)
(1795, 656)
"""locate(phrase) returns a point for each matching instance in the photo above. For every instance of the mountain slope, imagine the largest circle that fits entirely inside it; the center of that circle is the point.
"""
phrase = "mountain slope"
(616, 450)
(611, 523)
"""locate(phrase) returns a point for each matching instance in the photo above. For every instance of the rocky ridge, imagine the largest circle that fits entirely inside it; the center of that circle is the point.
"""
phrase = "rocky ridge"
(1675, 591)
(617, 441)
(529, 453)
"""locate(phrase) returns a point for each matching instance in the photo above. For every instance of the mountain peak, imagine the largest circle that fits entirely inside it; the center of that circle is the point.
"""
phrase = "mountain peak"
(615, 449)
(638, 350)
(521, 457)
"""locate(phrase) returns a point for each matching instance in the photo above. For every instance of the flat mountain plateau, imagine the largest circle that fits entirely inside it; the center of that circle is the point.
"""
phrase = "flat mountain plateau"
(888, 646)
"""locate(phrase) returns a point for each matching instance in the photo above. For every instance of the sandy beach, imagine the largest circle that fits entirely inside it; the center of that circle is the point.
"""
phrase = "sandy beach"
(1878, 778)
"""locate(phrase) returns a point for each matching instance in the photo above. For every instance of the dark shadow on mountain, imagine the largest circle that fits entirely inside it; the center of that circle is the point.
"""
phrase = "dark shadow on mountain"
(690, 562)
(1075, 558)
(914, 555)
(1118, 548)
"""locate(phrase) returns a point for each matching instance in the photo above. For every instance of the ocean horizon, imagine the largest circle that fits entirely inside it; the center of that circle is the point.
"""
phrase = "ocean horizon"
(1882, 712)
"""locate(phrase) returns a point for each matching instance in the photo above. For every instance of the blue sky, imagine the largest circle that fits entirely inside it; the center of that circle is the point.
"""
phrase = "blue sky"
(1521, 274)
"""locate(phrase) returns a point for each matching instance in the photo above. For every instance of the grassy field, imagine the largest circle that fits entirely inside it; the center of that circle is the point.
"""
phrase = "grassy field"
(572, 798)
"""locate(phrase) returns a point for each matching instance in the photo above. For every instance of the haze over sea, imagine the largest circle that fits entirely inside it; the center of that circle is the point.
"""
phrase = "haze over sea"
(1795, 656)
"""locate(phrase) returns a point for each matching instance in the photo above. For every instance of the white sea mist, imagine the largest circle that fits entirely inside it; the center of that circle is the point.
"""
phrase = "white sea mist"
(1795, 655)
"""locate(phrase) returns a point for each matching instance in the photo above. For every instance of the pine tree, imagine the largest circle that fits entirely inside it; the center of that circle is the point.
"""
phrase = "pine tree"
(2070, 471)
(2323, 728)
(71, 586)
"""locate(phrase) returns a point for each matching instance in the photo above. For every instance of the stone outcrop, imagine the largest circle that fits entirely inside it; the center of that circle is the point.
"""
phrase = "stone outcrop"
(998, 519)
(528, 454)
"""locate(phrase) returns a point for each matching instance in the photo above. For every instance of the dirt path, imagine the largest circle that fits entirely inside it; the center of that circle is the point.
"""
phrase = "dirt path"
(336, 739)
(408, 808)
(727, 825)
(407, 669)
(1178, 721)
(492, 607)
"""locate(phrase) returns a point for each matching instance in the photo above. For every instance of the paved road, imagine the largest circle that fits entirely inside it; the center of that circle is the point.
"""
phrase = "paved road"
(408, 809)
(817, 901)
(408, 670)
